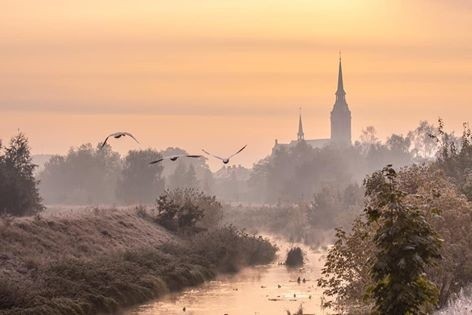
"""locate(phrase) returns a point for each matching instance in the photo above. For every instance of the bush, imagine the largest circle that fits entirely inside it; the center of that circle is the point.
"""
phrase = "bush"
(187, 210)
(294, 257)
(229, 249)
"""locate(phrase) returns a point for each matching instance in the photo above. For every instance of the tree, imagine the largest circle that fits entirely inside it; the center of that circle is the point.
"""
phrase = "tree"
(369, 136)
(346, 273)
(450, 214)
(399, 150)
(85, 175)
(405, 246)
(18, 188)
(191, 180)
(178, 178)
(175, 179)
(140, 182)
(443, 206)
(455, 157)
(325, 206)
(423, 144)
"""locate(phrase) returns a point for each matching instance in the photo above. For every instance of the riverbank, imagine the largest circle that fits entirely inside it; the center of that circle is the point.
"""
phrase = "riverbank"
(104, 260)
(264, 290)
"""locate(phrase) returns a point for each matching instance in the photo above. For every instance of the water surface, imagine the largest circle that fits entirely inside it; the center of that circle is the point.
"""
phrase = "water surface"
(264, 290)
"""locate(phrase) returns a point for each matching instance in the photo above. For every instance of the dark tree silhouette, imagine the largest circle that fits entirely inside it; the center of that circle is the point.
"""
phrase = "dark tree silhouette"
(18, 188)
(406, 244)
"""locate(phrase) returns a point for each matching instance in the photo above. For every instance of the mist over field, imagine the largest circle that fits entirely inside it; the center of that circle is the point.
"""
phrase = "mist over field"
(250, 157)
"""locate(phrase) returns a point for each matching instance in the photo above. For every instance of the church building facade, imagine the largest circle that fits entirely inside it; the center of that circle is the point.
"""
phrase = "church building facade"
(340, 122)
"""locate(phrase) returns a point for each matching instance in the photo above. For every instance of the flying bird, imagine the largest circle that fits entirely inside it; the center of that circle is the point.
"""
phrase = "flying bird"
(174, 158)
(225, 160)
(118, 135)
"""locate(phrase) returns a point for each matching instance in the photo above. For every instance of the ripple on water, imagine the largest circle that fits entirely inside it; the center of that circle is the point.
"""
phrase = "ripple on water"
(264, 290)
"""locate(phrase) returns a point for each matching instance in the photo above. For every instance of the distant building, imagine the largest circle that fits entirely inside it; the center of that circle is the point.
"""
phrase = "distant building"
(341, 115)
(340, 122)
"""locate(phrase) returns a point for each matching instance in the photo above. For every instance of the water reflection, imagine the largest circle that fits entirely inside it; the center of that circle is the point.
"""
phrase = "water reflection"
(263, 290)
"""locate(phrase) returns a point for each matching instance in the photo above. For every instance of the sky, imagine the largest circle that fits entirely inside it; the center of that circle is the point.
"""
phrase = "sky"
(219, 74)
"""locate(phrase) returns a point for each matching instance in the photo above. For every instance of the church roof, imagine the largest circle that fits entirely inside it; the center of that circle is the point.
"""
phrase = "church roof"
(314, 143)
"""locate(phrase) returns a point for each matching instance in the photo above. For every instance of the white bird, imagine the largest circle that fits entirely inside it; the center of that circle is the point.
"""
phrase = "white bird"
(225, 160)
(118, 135)
(174, 158)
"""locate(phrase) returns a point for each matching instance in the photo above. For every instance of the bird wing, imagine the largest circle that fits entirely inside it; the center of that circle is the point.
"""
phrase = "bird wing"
(105, 142)
(239, 151)
(215, 156)
(169, 157)
(128, 134)
(157, 161)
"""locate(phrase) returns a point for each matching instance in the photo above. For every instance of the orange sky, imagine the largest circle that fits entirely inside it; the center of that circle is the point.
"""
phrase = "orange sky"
(219, 74)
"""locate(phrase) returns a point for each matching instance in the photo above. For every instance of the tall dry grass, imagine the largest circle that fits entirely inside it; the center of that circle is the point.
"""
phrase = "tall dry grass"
(102, 260)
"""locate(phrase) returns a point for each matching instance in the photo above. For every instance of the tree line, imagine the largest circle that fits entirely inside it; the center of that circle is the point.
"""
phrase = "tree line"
(93, 175)
(292, 174)
(409, 251)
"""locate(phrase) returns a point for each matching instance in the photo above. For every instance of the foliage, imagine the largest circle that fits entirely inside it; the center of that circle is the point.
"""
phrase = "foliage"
(187, 209)
(292, 173)
(229, 249)
(294, 257)
(183, 177)
(450, 214)
(333, 207)
(346, 273)
(85, 175)
(186, 173)
(405, 245)
(140, 182)
(455, 157)
(18, 187)
(423, 143)
(91, 175)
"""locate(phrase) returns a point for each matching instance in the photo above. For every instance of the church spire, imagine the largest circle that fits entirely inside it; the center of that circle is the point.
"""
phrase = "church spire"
(340, 93)
(300, 135)
(341, 115)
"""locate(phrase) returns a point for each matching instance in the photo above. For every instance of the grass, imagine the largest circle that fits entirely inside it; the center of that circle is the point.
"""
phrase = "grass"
(102, 261)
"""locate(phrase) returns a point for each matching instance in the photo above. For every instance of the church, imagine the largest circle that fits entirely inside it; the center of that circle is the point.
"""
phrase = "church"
(340, 122)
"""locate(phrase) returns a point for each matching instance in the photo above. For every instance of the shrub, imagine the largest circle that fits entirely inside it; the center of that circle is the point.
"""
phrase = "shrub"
(187, 210)
(229, 249)
(294, 257)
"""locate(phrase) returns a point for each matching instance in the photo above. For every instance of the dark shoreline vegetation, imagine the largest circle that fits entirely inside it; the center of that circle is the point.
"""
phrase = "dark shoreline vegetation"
(108, 260)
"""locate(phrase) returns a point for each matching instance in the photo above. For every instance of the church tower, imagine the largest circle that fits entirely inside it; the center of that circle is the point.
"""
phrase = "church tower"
(341, 115)
(300, 134)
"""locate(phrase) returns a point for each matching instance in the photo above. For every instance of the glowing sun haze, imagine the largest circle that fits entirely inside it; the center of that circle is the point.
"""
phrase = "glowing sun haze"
(219, 74)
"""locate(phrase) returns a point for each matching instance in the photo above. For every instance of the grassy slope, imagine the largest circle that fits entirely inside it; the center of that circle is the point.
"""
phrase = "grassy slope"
(103, 260)
(76, 236)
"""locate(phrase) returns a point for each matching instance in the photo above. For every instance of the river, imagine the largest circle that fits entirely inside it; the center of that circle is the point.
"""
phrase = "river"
(263, 290)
